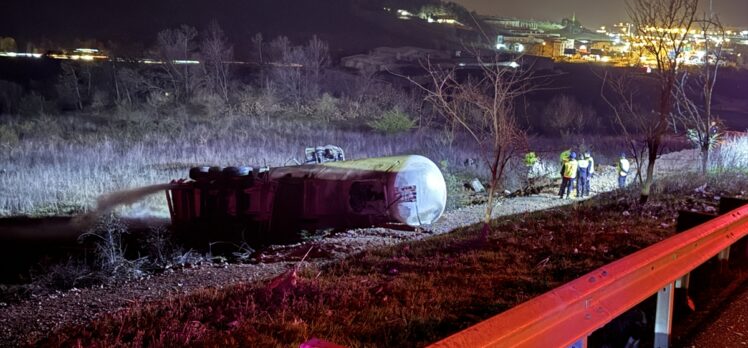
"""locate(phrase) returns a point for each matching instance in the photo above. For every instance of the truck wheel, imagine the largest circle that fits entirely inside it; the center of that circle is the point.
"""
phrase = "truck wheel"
(214, 172)
(231, 171)
(244, 171)
(199, 173)
(236, 171)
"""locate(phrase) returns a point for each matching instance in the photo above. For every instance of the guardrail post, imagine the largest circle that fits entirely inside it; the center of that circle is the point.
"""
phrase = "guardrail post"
(664, 316)
(582, 343)
(724, 255)
(683, 282)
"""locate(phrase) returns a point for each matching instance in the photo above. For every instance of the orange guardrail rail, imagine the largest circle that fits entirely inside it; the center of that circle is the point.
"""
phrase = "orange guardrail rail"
(565, 316)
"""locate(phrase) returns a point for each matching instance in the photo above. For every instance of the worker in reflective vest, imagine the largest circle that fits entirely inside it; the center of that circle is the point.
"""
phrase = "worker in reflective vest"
(583, 175)
(568, 174)
(622, 167)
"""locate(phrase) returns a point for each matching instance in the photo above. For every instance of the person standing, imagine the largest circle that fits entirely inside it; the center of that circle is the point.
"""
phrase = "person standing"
(622, 167)
(583, 175)
(568, 174)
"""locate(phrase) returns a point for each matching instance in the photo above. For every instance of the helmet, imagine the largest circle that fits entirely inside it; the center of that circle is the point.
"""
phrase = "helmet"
(587, 155)
(573, 155)
(623, 155)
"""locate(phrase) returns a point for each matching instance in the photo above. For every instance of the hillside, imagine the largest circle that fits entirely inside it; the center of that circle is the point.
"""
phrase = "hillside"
(348, 27)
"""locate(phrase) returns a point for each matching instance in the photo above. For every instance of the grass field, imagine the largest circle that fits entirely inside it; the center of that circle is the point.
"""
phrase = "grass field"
(60, 165)
(62, 173)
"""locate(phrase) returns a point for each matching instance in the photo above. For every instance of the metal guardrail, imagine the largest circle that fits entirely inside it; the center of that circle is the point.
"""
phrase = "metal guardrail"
(565, 316)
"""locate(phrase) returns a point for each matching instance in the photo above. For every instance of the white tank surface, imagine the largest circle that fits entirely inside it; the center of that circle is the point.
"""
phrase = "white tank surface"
(408, 189)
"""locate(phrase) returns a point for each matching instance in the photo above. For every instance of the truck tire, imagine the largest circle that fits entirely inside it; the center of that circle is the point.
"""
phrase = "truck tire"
(215, 172)
(244, 170)
(233, 172)
(199, 173)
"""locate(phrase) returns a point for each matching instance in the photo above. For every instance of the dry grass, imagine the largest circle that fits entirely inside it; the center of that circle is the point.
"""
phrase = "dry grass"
(408, 295)
(60, 165)
(62, 173)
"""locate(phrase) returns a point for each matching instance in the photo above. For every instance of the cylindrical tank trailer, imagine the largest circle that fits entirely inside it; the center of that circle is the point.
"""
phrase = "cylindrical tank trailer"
(280, 202)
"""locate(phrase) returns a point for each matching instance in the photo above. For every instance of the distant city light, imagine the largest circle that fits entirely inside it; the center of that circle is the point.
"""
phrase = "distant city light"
(86, 50)
(20, 55)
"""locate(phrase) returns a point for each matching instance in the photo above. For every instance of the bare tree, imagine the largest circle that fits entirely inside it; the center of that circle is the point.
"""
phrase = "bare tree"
(286, 73)
(297, 70)
(316, 59)
(279, 47)
(634, 120)
(484, 108)
(567, 116)
(699, 84)
(74, 84)
(132, 85)
(662, 28)
(175, 47)
(257, 43)
(216, 53)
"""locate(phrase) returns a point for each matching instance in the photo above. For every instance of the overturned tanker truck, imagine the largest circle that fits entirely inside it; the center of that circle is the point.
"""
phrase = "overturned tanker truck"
(326, 192)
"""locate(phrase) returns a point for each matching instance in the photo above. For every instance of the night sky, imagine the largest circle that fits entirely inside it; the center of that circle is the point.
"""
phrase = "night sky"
(591, 13)
(139, 21)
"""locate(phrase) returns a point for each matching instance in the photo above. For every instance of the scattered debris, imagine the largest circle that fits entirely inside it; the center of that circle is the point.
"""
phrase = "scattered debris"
(477, 186)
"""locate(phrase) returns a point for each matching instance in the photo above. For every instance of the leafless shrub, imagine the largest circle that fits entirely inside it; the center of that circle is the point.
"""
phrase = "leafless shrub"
(207, 103)
(33, 104)
(107, 238)
(567, 117)
(63, 275)
(161, 249)
(10, 95)
(259, 102)
(327, 108)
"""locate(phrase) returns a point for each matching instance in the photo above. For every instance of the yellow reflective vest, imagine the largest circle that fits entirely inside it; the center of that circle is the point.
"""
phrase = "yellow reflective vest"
(623, 167)
(570, 169)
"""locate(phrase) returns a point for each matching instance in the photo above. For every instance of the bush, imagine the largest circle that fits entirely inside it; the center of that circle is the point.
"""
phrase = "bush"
(107, 237)
(10, 94)
(207, 104)
(32, 105)
(252, 102)
(393, 122)
(8, 138)
(65, 275)
(326, 108)
(731, 154)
